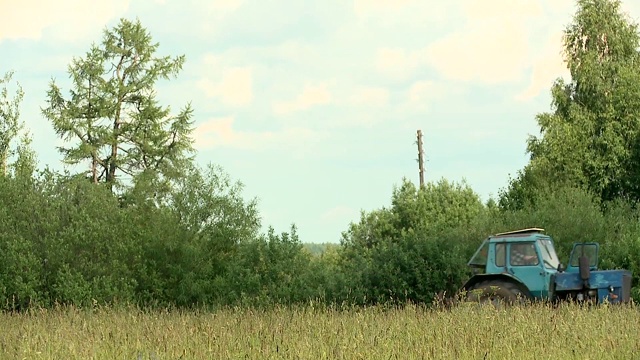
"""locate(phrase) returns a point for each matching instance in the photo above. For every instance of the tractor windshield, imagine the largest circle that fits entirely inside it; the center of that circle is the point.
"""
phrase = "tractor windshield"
(549, 256)
(479, 259)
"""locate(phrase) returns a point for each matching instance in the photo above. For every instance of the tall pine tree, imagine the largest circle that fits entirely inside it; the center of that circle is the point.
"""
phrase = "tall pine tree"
(112, 119)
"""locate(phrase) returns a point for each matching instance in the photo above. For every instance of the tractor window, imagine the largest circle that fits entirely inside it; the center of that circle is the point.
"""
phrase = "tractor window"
(549, 256)
(589, 250)
(523, 255)
(501, 255)
(479, 259)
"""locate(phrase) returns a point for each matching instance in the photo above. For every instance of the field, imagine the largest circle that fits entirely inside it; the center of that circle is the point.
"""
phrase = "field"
(467, 332)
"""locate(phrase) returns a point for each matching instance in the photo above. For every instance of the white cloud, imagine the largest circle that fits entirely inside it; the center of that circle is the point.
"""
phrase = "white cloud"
(505, 41)
(397, 63)
(493, 42)
(220, 133)
(311, 95)
(225, 6)
(399, 15)
(421, 90)
(420, 96)
(632, 8)
(77, 19)
(235, 87)
(370, 96)
(493, 47)
(213, 12)
(364, 7)
(496, 10)
(547, 67)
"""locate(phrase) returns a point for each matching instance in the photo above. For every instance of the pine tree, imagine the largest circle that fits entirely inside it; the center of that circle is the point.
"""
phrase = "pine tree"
(112, 117)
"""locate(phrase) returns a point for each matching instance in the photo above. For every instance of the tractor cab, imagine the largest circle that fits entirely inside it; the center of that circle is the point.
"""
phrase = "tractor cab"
(527, 247)
(526, 258)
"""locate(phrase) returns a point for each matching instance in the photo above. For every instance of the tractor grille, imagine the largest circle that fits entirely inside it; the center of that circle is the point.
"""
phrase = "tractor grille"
(626, 288)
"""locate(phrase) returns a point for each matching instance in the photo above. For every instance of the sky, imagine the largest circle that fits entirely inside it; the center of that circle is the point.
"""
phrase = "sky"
(314, 105)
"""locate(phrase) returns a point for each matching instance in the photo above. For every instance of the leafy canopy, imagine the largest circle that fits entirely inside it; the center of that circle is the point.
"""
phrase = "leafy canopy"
(591, 138)
(10, 124)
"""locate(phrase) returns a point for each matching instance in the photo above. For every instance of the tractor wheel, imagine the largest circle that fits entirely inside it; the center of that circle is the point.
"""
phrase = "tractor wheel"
(497, 292)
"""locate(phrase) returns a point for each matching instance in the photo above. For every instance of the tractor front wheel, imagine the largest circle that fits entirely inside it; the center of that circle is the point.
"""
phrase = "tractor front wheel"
(496, 292)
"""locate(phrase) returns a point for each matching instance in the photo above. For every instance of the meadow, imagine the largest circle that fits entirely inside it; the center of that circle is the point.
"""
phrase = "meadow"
(412, 332)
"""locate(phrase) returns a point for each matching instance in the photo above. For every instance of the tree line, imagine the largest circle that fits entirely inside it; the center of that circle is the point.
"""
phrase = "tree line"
(146, 225)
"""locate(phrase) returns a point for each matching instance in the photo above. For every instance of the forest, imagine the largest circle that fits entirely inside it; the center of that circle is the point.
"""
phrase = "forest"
(146, 225)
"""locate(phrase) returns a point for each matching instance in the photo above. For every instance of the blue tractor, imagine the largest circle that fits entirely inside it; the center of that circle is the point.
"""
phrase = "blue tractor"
(522, 265)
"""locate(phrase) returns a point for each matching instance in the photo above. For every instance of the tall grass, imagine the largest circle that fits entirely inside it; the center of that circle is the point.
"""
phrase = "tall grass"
(412, 332)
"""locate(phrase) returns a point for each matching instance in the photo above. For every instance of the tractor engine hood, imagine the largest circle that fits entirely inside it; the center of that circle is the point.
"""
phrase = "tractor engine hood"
(599, 279)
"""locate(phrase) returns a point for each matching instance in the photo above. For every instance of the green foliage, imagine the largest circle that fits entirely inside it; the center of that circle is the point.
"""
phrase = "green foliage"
(572, 215)
(267, 270)
(581, 182)
(113, 115)
(568, 214)
(203, 224)
(181, 235)
(591, 136)
(522, 190)
(210, 205)
(25, 165)
(68, 241)
(403, 252)
(438, 206)
(20, 272)
(10, 124)
(428, 210)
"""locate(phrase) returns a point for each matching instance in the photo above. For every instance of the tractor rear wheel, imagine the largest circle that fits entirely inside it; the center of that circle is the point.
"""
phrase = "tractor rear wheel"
(497, 292)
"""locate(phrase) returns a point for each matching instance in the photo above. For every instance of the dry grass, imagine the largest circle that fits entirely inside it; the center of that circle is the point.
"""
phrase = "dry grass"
(466, 332)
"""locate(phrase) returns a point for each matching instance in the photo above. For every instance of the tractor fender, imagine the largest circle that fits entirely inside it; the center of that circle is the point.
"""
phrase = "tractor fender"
(478, 278)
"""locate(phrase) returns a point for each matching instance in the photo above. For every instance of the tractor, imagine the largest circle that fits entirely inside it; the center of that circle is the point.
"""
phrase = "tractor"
(522, 265)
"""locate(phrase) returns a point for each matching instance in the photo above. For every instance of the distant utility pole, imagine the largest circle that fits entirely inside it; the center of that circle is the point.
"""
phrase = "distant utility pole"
(420, 158)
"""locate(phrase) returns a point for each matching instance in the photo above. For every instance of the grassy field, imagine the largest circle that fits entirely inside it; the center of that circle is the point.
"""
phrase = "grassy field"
(467, 332)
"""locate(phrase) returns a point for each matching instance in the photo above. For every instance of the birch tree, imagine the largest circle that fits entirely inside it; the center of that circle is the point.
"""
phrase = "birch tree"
(10, 125)
(591, 137)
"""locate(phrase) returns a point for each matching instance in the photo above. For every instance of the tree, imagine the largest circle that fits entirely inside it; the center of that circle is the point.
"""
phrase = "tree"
(523, 190)
(112, 112)
(208, 219)
(591, 138)
(24, 166)
(427, 209)
(10, 124)
(414, 248)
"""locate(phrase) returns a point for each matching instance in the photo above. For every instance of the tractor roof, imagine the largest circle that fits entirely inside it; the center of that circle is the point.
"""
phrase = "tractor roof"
(479, 258)
(528, 234)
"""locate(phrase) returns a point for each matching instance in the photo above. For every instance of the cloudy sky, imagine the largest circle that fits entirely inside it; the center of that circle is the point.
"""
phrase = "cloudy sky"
(314, 105)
